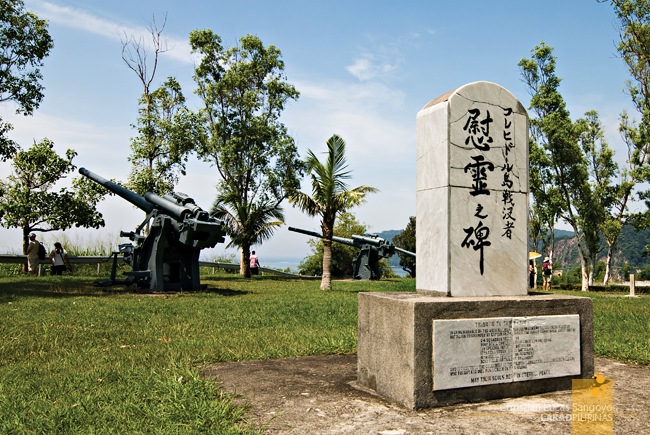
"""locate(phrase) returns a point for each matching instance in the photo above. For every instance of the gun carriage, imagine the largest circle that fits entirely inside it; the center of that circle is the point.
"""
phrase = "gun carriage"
(166, 258)
(372, 248)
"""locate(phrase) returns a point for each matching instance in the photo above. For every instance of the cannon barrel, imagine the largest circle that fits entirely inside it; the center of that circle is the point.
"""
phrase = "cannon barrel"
(120, 191)
(187, 202)
(342, 240)
(171, 208)
(404, 251)
(370, 240)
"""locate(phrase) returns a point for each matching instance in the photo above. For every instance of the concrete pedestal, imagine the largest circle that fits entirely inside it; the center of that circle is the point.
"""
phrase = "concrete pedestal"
(396, 356)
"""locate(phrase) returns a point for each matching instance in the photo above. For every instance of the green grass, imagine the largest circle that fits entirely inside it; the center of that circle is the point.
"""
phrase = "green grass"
(621, 325)
(76, 359)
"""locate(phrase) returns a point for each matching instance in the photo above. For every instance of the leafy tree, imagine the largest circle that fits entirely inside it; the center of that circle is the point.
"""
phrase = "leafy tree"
(545, 206)
(244, 91)
(406, 240)
(561, 160)
(24, 43)
(602, 171)
(246, 224)
(330, 196)
(634, 32)
(30, 203)
(342, 255)
(166, 129)
(167, 133)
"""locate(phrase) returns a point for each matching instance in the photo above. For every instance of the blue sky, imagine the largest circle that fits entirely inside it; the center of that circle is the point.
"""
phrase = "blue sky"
(364, 70)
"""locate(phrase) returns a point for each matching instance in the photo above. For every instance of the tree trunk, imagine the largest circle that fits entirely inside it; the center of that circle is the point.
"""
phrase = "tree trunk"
(608, 265)
(585, 271)
(25, 245)
(592, 271)
(244, 264)
(326, 279)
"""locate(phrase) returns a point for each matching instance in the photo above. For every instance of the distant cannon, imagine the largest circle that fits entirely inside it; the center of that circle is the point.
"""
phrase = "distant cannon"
(167, 258)
(371, 249)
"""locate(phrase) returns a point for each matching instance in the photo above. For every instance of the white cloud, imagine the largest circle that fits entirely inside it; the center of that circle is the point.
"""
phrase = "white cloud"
(74, 18)
(370, 117)
(368, 67)
(380, 135)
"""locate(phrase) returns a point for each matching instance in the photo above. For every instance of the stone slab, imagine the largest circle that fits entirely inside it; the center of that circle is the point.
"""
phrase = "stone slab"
(395, 355)
(494, 350)
(472, 193)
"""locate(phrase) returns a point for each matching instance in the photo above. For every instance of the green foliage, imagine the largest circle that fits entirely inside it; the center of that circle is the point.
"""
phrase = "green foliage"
(406, 241)
(571, 165)
(24, 43)
(167, 132)
(342, 255)
(628, 256)
(634, 32)
(244, 91)
(330, 196)
(29, 201)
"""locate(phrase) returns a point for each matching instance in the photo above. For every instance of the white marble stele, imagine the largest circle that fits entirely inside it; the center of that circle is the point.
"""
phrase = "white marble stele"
(472, 352)
(472, 193)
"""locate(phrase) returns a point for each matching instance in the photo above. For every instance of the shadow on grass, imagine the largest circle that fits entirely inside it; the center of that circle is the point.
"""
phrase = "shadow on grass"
(225, 292)
(57, 287)
(239, 278)
(62, 287)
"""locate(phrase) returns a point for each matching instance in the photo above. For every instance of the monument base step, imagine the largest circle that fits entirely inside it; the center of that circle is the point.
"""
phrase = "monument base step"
(423, 350)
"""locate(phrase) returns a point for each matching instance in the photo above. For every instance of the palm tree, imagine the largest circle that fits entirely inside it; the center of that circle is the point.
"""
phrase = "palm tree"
(247, 223)
(330, 196)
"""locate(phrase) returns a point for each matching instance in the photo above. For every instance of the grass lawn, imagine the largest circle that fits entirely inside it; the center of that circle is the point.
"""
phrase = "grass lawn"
(621, 325)
(75, 359)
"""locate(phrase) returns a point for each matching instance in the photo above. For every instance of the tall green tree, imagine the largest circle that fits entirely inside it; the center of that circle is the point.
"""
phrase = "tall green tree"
(168, 131)
(31, 201)
(330, 196)
(545, 205)
(244, 91)
(562, 162)
(634, 47)
(166, 128)
(24, 43)
(603, 171)
(406, 240)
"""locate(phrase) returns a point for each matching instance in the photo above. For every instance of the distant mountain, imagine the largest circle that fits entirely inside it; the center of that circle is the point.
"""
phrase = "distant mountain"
(389, 234)
(563, 234)
(629, 249)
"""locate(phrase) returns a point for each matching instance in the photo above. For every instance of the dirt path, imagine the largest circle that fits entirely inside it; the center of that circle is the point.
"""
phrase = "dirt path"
(316, 395)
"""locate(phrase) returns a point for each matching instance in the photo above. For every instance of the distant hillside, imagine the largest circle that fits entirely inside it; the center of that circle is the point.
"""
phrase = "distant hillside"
(389, 234)
(629, 249)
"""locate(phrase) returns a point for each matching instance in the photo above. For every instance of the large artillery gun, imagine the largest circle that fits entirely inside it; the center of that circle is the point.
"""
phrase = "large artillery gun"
(372, 248)
(166, 258)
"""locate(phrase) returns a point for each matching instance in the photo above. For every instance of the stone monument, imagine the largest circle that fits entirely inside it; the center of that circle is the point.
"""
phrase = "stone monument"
(471, 332)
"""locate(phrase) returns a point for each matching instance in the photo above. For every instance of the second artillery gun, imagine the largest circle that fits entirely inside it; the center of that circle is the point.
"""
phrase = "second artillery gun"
(372, 248)
(167, 257)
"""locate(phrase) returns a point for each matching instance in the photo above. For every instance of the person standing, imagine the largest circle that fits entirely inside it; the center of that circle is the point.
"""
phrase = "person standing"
(547, 272)
(532, 271)
(254, 264)
(59, 259)
(32, 255)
